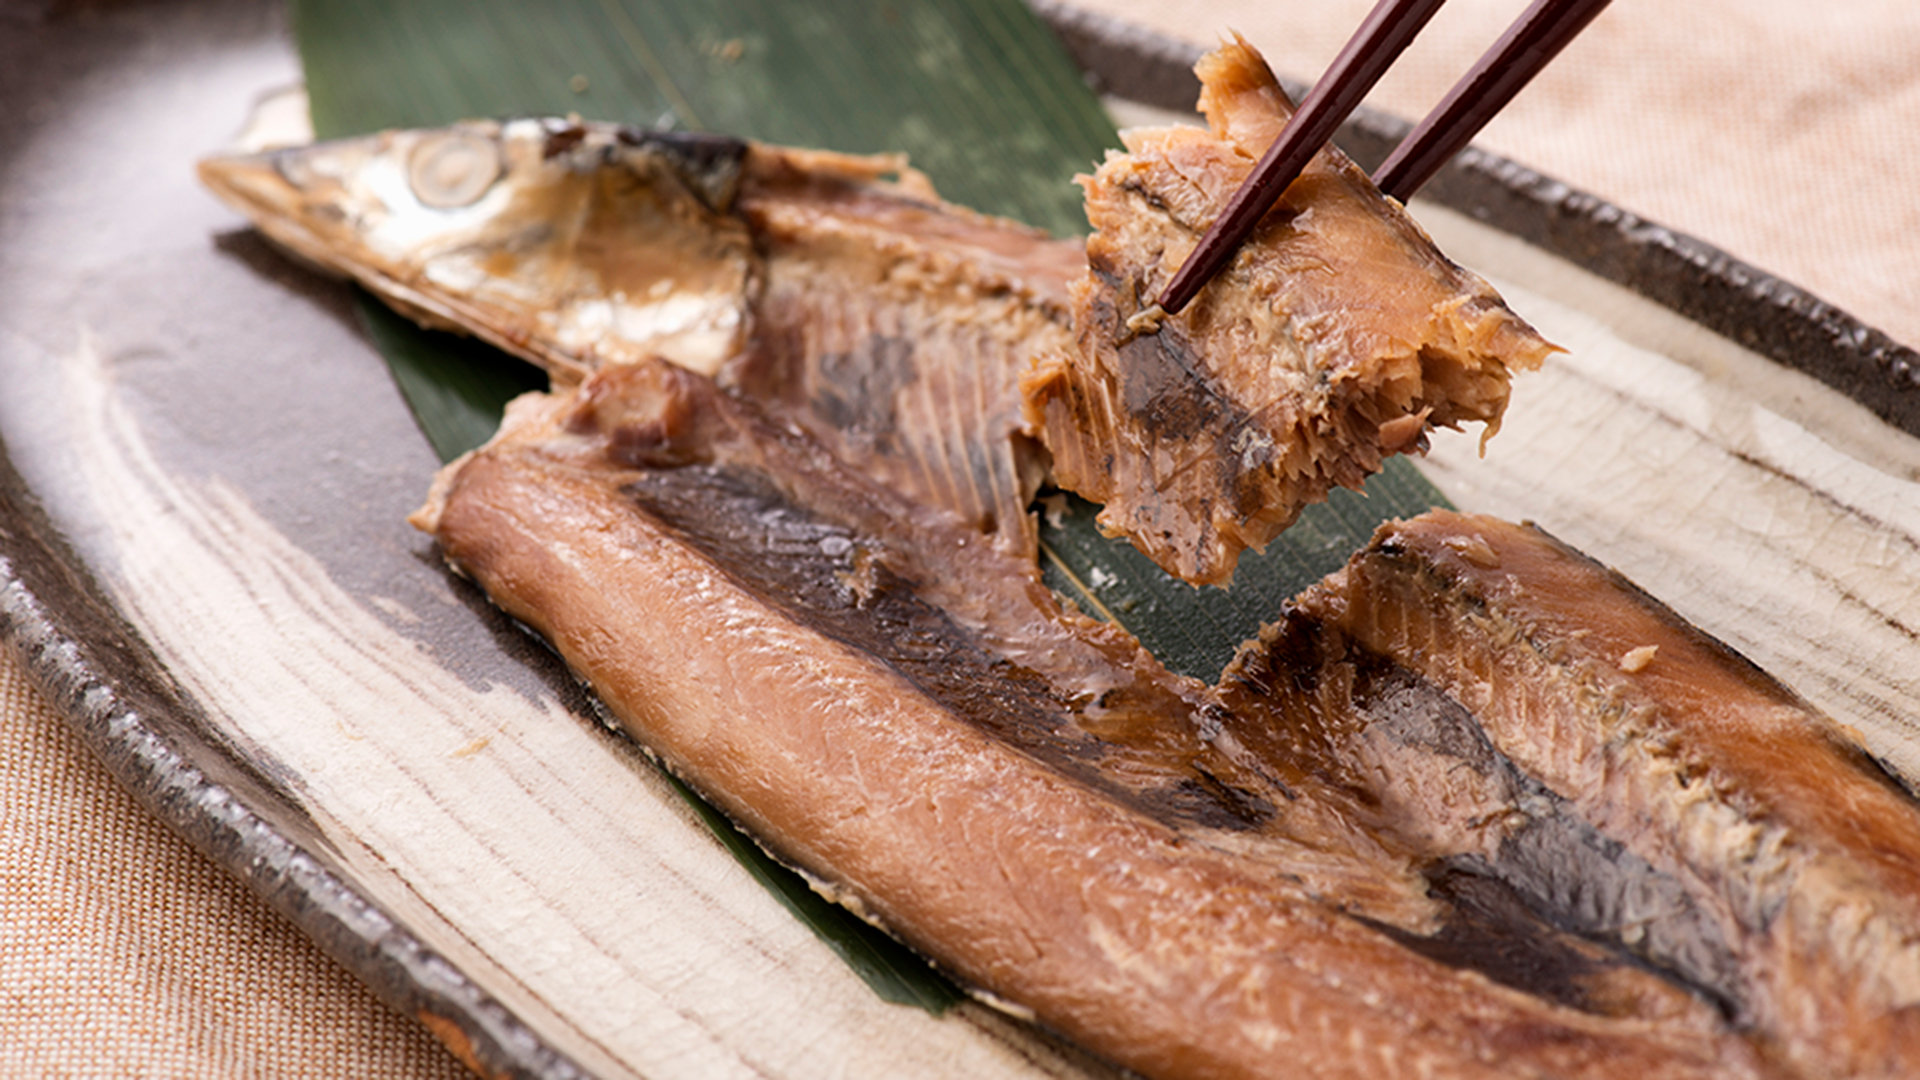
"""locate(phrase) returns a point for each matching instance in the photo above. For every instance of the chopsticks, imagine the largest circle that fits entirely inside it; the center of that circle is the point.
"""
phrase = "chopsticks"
(1527, 47)
(1521, 53)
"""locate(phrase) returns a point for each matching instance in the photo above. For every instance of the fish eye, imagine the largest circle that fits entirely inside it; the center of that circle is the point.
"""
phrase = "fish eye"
(453, 168)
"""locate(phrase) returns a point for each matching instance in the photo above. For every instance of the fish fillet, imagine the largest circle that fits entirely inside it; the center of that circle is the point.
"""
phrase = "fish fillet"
(1787, 861)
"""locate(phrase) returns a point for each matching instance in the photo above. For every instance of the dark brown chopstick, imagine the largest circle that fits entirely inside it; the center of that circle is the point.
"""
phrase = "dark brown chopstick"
(1520, 54)
(1527, 47)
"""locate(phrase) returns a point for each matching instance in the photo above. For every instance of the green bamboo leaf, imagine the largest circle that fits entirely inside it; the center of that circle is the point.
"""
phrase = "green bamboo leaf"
(1195, 630)
(456, 386)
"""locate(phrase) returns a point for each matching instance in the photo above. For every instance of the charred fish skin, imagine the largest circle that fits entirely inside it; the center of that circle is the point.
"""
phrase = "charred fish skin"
(1797, 856)
(1040, 842)
(1337, 336)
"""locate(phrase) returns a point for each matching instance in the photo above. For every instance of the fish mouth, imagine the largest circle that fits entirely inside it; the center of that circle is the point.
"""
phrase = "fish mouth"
(256, 186)
(249, 182)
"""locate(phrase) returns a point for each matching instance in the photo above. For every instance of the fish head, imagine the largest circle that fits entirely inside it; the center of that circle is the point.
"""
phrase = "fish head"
(572, 244)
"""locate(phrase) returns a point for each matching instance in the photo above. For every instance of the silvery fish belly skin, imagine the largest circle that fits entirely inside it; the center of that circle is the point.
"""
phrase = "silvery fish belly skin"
(902, 710)
(1338, 335)
(568, 244)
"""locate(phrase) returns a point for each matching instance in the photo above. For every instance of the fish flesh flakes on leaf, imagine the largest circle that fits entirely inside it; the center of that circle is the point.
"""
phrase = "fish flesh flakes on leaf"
(1339, 334)
(1471, 807)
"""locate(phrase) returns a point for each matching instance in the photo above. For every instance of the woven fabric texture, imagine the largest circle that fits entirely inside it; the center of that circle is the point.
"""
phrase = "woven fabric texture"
(125, 953)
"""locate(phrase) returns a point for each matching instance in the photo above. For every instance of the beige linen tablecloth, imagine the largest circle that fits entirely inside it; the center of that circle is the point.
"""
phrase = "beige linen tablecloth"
(123, 952)
(1787, 134)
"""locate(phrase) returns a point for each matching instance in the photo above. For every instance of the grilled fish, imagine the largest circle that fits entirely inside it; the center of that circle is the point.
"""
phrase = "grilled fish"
(837, 290)
(1471, 807)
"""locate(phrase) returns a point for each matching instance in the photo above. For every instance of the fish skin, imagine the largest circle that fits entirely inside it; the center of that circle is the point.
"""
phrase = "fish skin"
(1337, 335)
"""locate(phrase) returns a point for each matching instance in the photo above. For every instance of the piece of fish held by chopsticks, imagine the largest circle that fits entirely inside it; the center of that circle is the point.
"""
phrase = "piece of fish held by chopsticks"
(791, 552)
(1338, 335)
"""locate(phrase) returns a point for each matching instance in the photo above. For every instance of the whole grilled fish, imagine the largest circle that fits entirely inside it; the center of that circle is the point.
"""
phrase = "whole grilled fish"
(1471, 807)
